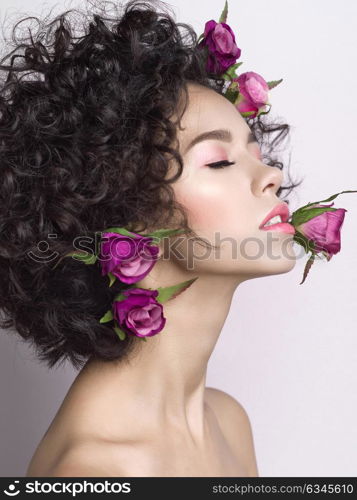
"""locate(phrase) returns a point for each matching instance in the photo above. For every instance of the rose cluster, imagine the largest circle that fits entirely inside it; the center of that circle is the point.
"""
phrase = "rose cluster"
(249, 91)
(130, 259)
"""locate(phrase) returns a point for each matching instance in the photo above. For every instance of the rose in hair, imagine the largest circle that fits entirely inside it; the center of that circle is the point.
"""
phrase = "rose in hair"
(253, 94)
(139, 313)
(222, 51)
(129, 259)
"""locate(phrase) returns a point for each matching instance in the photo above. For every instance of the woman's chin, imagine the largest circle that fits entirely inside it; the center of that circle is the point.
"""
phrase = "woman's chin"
(269, 267)
(281, 266)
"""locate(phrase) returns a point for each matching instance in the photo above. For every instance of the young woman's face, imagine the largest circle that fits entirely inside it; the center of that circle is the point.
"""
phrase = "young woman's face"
(226, 205)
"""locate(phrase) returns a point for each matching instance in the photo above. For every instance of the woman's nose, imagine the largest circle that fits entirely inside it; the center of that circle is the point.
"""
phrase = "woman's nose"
(267, 179)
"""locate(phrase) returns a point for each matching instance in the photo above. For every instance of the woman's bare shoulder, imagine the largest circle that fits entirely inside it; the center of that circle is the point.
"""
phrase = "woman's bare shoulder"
(226, 403)
(92, 459)
(235, 424)
(82, 463)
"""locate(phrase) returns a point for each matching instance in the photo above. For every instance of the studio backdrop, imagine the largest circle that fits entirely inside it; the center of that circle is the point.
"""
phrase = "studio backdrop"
(287, 352)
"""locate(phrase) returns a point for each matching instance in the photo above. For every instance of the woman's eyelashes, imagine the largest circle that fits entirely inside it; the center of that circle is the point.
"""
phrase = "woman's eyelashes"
(220, 164)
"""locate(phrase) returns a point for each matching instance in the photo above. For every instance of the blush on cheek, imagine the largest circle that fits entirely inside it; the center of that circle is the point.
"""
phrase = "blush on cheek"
(203, 209)
(258, 153)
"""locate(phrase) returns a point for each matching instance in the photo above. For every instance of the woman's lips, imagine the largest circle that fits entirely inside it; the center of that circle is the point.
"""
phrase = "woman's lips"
(282, 210)
(281, 227)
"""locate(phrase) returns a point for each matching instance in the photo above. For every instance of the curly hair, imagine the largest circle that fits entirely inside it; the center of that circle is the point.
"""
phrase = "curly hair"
(86, 138)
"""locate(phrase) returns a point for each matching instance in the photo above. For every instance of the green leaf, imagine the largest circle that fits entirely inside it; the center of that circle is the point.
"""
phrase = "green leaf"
(274, 83)
(119, 297)
(112, 278)
(231, 71)
(307, 268)
(84, 257)
(327, 255)
(108, 316)
(236, 65)
(121, 334)
(261, 112)
(223, 16)
(161, 233)
(247, 113)
(54, 267)
(301, 239)
(173, 291)
(301, 217)
(120, 230)
(233, 87)
(231, 95)
(327, 199)
(200, 38)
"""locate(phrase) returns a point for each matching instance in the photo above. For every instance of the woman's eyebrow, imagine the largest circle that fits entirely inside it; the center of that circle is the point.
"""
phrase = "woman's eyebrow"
(221, 134)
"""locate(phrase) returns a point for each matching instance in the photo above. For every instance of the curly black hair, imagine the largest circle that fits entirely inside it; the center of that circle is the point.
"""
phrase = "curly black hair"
(86, 139)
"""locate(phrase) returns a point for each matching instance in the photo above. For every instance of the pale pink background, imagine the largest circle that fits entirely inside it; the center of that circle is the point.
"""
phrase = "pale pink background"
(288, 352)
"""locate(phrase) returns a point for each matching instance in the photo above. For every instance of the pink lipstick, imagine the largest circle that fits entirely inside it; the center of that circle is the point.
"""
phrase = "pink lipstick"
(280, 211)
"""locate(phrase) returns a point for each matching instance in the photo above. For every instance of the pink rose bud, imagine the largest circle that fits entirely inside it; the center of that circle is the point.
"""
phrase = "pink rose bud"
(128, 259)
(253, 94)
(317, 229)
(324, 230)
(139, 313)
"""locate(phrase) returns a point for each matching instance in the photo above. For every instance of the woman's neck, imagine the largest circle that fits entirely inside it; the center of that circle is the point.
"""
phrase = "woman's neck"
(164, 383)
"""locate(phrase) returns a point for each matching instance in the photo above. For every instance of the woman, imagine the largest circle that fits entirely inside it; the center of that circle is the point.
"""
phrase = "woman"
(107, 134)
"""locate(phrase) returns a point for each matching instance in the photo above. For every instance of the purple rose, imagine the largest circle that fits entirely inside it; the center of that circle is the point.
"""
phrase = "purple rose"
(222, 49)
(130, 259)
(324, 230)
(139, 313)
(253, 94)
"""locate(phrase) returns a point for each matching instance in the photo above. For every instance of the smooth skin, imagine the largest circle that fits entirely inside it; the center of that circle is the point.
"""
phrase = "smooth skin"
(152, 415)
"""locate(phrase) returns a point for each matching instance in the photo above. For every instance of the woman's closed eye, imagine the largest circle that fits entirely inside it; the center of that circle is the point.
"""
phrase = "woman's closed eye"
(220, 164)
